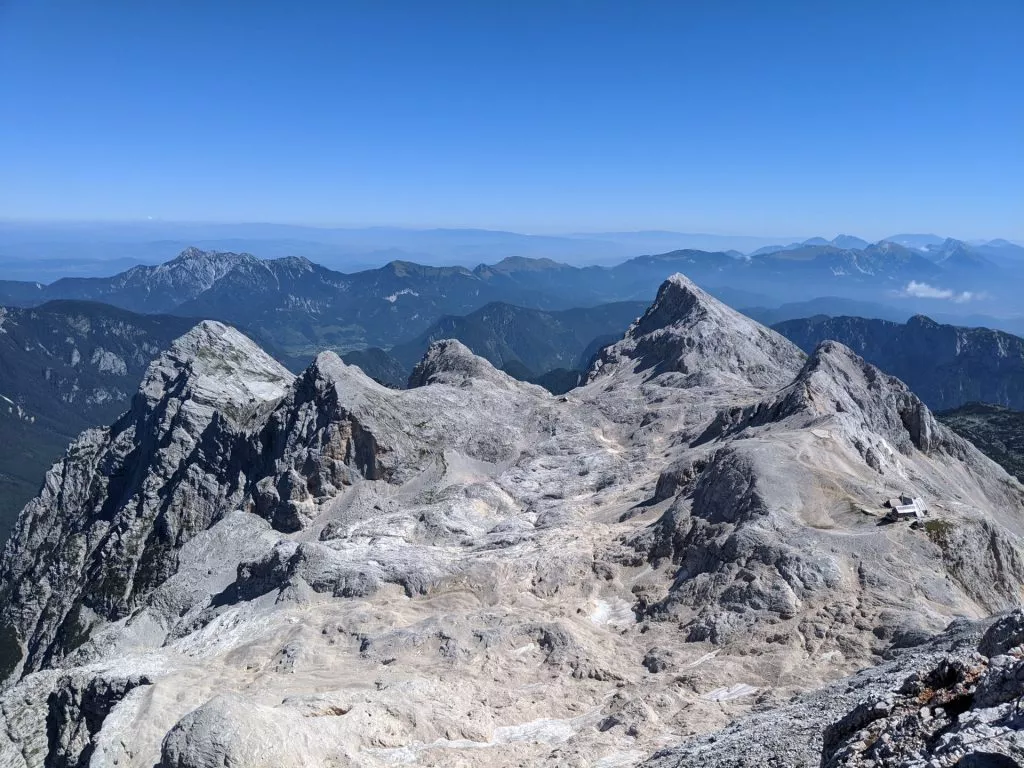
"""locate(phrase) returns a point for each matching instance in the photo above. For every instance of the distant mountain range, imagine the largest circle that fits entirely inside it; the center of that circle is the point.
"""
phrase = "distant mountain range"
(299, 307)
(848, 242)
(945, 365)
(47, 251)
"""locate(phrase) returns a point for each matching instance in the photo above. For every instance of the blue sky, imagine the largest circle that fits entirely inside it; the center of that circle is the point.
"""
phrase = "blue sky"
(732, 117)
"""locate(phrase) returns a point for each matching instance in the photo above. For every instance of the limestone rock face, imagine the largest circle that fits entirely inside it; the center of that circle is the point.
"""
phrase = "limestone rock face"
(688, 332)
(251, 568)
(65, 367)
(104, 530)
(77, 709)
(313, 445)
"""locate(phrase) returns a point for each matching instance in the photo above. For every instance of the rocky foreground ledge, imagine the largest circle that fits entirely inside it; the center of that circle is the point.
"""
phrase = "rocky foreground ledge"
(955, 700)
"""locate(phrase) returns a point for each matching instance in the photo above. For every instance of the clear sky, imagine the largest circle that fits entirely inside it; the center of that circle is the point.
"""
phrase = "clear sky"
(536, 115)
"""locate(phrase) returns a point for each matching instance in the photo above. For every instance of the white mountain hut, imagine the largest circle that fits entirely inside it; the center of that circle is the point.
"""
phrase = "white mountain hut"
(905, 507)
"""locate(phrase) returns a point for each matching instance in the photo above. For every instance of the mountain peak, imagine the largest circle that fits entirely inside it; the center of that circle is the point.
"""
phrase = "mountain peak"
(193, 254)
(922, 321)
(919, 242)
(299, 263)
(525, 264)
(211, 341)
(838, 385)
(329, 367)
(839, 376)
(216, 367)
(679, 300)
(688, 331)
(451, 362)
(850, 242)
(182, 278)
(410, 269)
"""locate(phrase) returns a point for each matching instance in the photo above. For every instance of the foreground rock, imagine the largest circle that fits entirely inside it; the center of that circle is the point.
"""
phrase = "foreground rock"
(952, 700)
(251, 568)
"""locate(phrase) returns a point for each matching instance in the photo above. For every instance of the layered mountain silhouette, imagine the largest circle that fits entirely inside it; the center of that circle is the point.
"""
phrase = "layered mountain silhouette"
(301, 307)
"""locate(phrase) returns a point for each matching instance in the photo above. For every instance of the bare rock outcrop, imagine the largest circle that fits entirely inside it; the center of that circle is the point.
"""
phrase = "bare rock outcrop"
(688, 332)
(77, 709)
(314, 444)
(945, 703)
(962, 711)
(252, 568)
(835, 381)
(769, 491)
(105, 528)
(228, 730)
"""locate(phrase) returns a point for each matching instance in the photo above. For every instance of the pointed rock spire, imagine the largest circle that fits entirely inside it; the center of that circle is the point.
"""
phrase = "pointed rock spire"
(688, 331)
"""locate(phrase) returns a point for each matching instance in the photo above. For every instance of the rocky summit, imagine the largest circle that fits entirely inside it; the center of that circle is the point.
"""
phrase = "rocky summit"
(682, 562)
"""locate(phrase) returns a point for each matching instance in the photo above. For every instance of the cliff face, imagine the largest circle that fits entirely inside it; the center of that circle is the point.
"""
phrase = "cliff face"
(319, 570)
(65, 367)
(111, 515)
(947, 366)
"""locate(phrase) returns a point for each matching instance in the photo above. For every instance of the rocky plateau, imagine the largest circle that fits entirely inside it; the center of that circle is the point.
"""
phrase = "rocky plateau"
(682, 562)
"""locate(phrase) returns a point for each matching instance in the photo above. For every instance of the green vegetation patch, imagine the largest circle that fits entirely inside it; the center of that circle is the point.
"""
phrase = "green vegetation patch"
(939, 531)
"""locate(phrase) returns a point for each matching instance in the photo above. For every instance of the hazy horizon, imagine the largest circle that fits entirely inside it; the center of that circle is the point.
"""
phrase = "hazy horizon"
(567, 232)
(739, 119)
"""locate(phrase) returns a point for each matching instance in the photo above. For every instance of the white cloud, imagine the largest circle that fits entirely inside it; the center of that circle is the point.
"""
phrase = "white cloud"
(918, 290)
(924, 291)
(960, 298)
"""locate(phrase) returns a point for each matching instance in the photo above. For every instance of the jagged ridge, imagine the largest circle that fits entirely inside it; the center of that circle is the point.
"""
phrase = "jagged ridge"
(461, 569)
